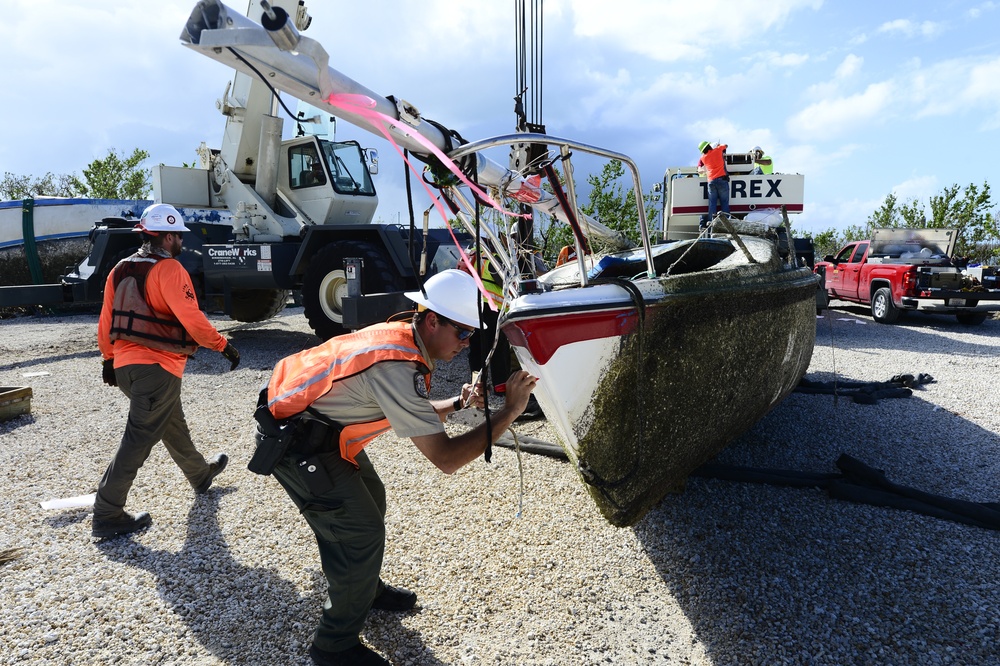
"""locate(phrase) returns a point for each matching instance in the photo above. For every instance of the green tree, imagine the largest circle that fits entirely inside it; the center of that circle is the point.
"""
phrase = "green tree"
(971, 214)
(886, 215)
(13, 186)
(613, 203)
(114, 177)
(118, 177)
(826, 242)
(970, 211)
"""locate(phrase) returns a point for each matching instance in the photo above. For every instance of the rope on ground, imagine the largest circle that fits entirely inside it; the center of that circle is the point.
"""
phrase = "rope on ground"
(866, 393)
(520, 473)
(861, 484)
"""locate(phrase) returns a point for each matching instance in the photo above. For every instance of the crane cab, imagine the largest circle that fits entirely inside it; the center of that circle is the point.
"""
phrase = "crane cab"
(327, 181)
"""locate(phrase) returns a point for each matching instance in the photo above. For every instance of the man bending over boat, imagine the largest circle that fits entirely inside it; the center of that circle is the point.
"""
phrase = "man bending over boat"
(336, 398)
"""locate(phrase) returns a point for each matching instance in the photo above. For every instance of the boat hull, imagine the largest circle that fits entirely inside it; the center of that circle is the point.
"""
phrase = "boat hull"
(59, 229)
(641, 400)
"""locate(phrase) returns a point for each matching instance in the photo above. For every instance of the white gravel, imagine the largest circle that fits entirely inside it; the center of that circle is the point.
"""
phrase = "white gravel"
(726, 573)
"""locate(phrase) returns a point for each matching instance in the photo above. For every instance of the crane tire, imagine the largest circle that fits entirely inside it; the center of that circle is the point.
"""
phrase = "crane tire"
(256, 304)
(325, 283)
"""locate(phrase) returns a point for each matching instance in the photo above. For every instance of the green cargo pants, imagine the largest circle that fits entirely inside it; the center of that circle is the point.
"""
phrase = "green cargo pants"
(154, 414)
(349, 523)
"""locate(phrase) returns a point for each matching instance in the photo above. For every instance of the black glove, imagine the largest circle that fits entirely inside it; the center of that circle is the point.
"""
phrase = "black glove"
(108, 372)
(231, 355)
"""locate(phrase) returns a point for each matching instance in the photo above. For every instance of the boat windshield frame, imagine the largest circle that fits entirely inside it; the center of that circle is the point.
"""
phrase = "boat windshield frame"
(564, 148)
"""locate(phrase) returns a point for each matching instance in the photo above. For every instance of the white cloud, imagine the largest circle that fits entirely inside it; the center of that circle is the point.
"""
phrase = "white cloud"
(838, 214)
(977, 11)
(850, 66)
(918, 187)
(828, 118)
(672, 30)
(782, 60)
(909, 28)
(957, 87)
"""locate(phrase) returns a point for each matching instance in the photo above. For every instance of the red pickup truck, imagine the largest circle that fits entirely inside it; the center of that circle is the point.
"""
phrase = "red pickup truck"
(899, 270)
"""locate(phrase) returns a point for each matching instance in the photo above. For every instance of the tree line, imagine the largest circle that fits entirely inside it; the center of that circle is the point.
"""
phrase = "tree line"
(117, 176)
(969, 210)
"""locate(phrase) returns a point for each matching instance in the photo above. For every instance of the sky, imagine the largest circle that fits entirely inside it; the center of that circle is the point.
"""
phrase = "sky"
(863, 98)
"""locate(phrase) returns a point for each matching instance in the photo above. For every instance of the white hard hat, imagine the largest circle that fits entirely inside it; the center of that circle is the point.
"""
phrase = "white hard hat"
(452, 294)
(161, 217)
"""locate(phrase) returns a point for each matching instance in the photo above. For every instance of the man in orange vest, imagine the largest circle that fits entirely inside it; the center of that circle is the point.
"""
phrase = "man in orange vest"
(712, 165)
(344, 393)
(149, 325)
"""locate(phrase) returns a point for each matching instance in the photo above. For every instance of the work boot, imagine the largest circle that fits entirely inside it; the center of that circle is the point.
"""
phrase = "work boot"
(394, 598)
(127, 524)
(215, 468)
(357, 655)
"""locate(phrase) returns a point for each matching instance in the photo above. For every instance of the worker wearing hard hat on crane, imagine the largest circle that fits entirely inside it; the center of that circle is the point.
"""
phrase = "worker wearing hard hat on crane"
(762, 164)
(150, 323)
(336, 398)
(712, 165)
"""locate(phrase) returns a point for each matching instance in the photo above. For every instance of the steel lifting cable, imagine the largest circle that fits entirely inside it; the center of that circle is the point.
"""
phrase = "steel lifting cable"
(413, 227)
(536, 61)
(530, 84)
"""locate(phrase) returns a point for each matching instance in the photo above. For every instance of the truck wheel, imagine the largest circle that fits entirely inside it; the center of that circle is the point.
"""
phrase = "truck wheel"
(883, 310)
(971, 318)
(256, 304)
(324, 284)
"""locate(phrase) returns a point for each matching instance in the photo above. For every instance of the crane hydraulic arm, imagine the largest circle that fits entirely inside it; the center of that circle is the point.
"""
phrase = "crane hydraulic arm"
(274, 51)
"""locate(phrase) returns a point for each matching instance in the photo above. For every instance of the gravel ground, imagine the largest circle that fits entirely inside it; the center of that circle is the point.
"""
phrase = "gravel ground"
(725, 573)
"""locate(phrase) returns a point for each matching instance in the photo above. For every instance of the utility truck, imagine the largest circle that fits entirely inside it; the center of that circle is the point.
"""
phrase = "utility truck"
(760, 200)
(902, 270)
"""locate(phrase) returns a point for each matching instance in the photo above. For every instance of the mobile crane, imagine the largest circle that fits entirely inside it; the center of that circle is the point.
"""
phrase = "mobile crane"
(270, 216)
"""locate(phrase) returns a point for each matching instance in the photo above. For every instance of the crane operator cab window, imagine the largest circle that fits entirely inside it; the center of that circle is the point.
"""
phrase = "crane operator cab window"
(348, 167)
(305, 167)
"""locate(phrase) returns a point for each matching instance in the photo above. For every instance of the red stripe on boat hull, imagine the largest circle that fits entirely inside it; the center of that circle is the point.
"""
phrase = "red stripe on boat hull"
(542, 336)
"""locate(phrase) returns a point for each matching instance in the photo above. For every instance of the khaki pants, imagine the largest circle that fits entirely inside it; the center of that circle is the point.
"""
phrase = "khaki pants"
(154, 414)
(349, 523)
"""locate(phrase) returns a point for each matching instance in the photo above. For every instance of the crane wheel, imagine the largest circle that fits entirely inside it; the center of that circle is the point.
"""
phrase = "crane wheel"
(324, 284)
(257, 304)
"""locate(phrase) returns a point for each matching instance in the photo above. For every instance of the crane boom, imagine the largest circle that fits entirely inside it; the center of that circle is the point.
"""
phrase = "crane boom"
(297, 65)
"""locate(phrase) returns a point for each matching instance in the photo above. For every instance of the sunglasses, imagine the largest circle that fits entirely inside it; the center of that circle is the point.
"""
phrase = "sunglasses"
(463, 333)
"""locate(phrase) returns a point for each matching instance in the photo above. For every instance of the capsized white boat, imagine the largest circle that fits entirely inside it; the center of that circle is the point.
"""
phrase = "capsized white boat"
(58, 218)
(651, 360)
(57, 230)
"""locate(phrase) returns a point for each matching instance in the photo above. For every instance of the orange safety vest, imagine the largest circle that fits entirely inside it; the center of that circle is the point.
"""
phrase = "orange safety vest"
(300, 379)
(131, 317)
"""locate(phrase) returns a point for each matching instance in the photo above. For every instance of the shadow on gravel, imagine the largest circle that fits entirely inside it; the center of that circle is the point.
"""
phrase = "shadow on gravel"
(45, 360)
(787, 575)
(913, 331)
(260, 349)
(201, 582)
(249, 616)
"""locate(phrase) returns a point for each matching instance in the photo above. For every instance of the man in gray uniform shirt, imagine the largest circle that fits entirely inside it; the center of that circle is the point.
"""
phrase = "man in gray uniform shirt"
(346, 392)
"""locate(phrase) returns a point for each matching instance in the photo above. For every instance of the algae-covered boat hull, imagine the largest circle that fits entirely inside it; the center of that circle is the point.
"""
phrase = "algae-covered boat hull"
(640, 399)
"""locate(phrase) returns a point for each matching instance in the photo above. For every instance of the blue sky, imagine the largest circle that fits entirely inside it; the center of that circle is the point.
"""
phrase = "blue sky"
(863, 98)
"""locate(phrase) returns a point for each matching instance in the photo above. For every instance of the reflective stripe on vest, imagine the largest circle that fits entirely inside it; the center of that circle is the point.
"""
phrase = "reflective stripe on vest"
(301, 379)
(488, 278)
(131, 317)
